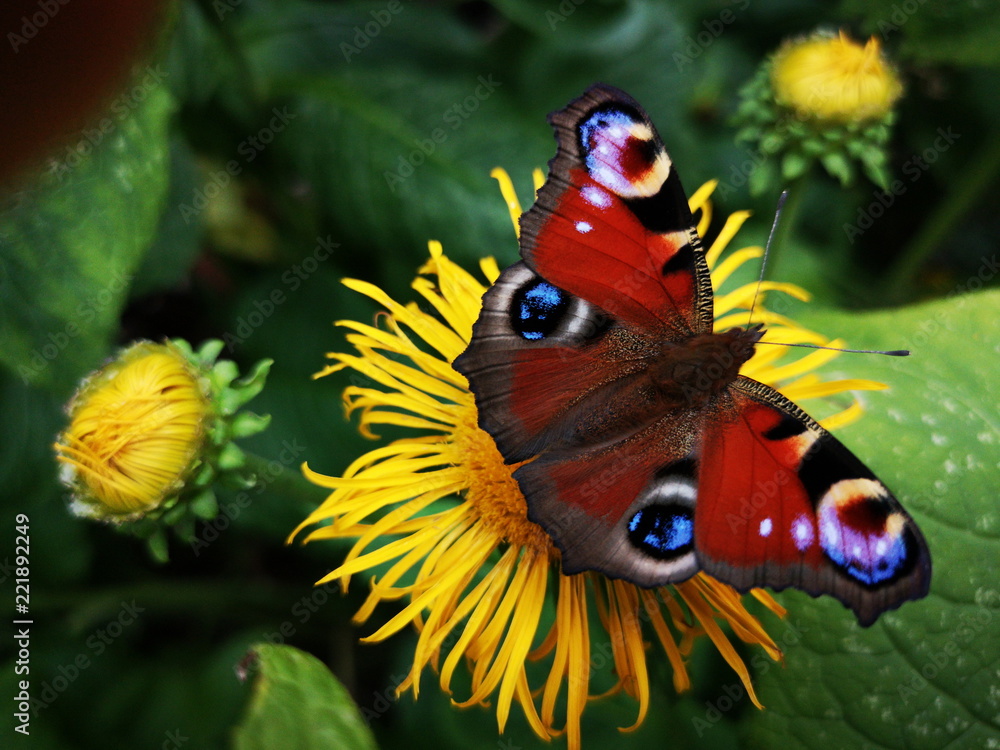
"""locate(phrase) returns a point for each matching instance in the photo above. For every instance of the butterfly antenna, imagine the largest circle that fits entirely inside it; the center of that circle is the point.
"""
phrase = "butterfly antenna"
(889, 353)
(763, 267)
(767, 249)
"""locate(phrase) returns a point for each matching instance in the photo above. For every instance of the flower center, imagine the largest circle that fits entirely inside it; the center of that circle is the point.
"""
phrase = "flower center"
(494, 492)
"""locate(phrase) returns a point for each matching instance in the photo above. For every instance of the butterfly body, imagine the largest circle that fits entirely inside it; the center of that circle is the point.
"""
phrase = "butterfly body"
(694, 371)
(647, 455)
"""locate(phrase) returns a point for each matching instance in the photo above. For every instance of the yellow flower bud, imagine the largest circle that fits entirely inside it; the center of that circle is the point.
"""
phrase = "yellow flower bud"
(136, 428)
(834, 78)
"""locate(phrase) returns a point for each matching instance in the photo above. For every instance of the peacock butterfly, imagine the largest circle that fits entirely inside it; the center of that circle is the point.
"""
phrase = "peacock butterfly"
(646, 455)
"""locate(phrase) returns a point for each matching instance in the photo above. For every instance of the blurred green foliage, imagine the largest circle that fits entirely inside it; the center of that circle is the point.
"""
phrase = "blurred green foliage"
(291, 143)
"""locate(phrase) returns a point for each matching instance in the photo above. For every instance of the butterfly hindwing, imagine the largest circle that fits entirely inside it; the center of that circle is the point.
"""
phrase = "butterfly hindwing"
(781, 502)
(625, 509)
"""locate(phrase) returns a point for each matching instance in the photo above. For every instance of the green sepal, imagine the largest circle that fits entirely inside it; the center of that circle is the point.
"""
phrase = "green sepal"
(157, 545)
(204, 505)
(794, 165)
(247, 423)
(231, 458)
(838, 165)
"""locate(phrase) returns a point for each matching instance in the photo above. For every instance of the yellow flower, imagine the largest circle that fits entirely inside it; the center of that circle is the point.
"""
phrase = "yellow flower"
(135, 428)
(440, 510)
(834, 78)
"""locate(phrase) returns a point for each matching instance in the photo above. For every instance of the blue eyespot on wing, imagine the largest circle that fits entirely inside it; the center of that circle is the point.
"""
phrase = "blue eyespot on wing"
(537, 310)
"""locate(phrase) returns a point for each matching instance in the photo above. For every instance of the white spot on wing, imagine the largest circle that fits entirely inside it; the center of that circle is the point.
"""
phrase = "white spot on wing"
(583, 227)
(596, 197)
(765, 527)
(802, 533)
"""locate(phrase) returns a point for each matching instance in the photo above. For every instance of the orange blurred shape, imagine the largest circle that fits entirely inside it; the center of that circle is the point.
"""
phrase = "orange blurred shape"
(61, 63)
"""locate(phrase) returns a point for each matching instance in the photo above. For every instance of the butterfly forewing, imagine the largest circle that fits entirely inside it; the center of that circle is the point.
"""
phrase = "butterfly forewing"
(612, 223)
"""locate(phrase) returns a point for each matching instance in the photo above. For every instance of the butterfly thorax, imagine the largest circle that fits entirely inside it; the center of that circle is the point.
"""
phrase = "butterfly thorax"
(691, 372)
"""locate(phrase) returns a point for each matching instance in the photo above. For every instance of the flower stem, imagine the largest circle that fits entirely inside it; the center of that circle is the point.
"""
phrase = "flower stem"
(979, 175)
(283, 478)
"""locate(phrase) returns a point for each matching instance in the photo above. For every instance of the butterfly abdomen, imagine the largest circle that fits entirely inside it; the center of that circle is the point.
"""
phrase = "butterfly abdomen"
(690, 373)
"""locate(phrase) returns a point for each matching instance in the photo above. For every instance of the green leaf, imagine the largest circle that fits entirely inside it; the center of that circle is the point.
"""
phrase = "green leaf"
(297, 704)
(412, 175)
(70, 246)
(178, 237)
(923, 676)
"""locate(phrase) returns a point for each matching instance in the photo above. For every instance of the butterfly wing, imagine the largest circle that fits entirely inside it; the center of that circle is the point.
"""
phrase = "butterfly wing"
(612, 267)
(781, 502)
(543, 363)
(626, 508)
(611, 225)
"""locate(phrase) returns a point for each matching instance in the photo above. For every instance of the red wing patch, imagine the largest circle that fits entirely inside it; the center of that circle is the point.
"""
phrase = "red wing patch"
(633, 274)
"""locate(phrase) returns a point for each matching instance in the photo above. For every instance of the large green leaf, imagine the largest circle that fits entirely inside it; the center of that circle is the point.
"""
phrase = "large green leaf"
(924, 676)
(298, 704)
(71, 242)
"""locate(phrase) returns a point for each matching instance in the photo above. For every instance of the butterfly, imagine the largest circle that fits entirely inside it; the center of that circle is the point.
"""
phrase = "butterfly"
(644, 454)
